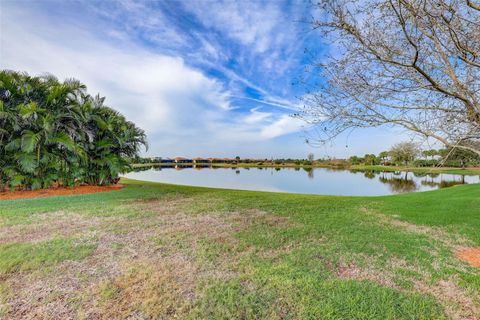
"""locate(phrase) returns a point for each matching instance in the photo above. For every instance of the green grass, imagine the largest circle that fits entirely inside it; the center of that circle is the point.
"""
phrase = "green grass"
(16, 257)
(251, 255)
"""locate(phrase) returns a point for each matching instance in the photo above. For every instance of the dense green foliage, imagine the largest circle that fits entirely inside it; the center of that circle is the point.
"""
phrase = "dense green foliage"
(55, 132)
(407, 153)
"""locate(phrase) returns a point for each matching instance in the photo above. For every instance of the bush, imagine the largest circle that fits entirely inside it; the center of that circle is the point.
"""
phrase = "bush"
(426, 163)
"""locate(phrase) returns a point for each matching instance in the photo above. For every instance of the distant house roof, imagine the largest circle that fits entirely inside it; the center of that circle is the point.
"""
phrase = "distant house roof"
(179, 158)
(198, 158)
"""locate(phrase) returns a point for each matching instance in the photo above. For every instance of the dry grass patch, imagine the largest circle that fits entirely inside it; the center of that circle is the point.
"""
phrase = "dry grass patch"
(148, 290)
(48, 226)
(143, 266)
(457, 302)
(352, 271)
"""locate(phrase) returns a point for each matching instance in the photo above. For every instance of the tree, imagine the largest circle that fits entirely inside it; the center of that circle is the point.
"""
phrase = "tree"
(310, 157)
(429, 153)
(55, 132)
(455, 156)
(412, 64)
(383, 156)
(404, 152)
(371, 159)
(355, 160)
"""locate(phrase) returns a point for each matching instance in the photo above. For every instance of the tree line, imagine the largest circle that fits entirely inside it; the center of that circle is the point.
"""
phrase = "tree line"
(401, 154)
(55, 133)
(409, 153)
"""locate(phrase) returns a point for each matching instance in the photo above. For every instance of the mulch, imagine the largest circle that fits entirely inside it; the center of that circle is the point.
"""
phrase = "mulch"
(470, 255)
(56, 191)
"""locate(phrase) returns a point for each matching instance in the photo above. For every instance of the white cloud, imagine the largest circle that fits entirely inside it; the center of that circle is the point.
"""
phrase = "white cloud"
(136, 17)
(249, 22)
(263, 37)
(266, 31)
(256, 116)
(284, 125)
(182, 109)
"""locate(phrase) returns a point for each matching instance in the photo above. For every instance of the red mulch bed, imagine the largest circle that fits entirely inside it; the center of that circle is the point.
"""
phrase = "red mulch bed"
(470, 255)
(57, 191)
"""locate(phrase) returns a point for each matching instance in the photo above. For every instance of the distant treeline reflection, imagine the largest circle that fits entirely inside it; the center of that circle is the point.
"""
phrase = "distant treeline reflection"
(402, 181)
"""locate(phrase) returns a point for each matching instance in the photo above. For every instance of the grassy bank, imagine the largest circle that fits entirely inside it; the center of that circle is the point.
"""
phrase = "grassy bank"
(163, 251)
(466, 171)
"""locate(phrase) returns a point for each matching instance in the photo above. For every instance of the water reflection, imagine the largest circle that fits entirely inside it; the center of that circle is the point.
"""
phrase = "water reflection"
(309, 171)
(370, 174)
(301, 180)
(402, 182)
(397, 183)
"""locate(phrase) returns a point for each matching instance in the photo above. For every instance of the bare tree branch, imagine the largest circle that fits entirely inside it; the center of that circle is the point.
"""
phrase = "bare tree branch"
(408, 63)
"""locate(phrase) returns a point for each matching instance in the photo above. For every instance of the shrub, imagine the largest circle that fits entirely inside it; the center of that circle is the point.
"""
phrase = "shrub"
(54, 132)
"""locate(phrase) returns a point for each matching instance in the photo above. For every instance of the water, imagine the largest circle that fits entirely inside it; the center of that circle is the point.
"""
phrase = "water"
(311, 181)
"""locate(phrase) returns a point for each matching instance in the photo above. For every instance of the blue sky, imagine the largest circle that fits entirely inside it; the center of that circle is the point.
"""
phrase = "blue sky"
(206, 78)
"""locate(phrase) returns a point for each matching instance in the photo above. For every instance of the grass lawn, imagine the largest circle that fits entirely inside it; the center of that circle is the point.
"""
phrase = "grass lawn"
(155, 251)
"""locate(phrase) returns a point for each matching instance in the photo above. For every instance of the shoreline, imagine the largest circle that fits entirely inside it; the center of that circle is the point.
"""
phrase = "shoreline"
(377, 168)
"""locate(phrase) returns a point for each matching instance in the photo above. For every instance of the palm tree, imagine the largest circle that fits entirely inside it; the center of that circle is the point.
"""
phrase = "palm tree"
(55, 132)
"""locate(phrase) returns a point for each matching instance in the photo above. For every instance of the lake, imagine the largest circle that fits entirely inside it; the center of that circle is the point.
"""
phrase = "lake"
(299, 180)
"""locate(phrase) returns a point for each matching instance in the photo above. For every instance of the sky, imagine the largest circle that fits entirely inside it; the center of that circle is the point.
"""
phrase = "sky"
(202, 78)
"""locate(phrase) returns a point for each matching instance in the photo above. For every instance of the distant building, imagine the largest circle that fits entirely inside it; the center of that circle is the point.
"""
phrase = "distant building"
(167, 160)
(200, 160)
(197, 160)
(182, 160)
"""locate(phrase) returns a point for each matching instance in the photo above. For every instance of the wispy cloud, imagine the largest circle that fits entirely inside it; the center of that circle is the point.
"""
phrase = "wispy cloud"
(202, 77)
(184, 108)
(285, 124)
(249, 44)
(250, 22)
